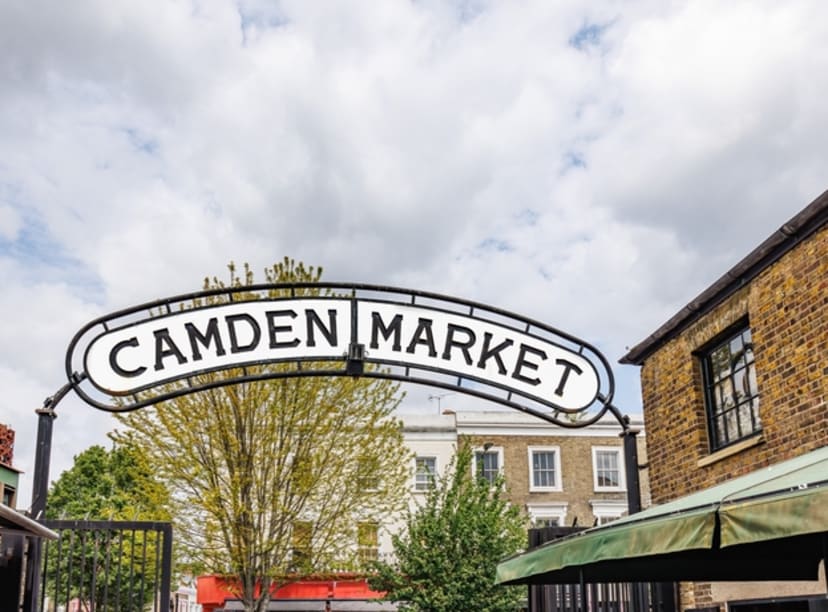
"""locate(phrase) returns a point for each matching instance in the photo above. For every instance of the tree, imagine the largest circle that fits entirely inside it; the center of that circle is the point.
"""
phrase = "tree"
(104, 485)
(274, 478)
(447, 556)
(117, 484)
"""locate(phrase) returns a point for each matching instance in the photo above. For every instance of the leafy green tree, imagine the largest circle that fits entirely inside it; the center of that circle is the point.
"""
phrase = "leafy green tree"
(274, 478)
(116, 484)
(447, 555)
(105, 567)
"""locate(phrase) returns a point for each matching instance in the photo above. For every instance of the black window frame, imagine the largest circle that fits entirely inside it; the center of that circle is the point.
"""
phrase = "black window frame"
(716, 412)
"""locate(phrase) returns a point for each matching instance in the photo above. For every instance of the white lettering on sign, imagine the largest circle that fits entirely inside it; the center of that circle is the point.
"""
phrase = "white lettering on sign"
(175, 346)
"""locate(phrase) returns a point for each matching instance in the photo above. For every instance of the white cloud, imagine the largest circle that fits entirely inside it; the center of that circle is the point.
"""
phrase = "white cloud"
(592, 167)
(10, 223)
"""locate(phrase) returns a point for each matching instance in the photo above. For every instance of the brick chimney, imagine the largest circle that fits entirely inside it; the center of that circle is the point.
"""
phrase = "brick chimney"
(6, 445)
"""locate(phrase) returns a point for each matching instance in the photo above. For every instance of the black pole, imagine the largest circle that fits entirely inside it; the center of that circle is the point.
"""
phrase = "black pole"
(40, 490)
(633, 496)
(631, 469)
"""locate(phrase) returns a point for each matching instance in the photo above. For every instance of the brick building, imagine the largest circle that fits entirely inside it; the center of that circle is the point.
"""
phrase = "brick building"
(558, 476)
(735, 400)
(9, 475)
(738, 380)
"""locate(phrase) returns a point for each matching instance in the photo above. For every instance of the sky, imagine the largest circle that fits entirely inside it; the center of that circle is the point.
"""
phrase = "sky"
(592, 165)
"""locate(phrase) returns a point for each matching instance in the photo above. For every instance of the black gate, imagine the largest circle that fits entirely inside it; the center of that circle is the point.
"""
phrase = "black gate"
(605, 597)
(97, 566)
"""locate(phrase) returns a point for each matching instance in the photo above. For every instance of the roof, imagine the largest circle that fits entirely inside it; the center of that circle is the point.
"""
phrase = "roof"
(11, 468)
(512, 422)
(801, 226)
(15, 522)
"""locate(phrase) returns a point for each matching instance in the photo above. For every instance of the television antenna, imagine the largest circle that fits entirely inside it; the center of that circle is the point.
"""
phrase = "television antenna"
(438, 397)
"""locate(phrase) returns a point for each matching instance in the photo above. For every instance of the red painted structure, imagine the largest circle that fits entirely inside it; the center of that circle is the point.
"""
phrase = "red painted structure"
(213, 591)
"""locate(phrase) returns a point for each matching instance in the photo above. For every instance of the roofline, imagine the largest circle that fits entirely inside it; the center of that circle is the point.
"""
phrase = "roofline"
(801, 226)
(24, 524)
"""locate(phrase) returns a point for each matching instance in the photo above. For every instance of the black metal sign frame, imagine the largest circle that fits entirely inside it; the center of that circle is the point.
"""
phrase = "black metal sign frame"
(475, 340)
(271, 331)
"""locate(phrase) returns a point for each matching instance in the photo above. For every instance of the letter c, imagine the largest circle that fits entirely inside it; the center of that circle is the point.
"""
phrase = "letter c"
(113, 359)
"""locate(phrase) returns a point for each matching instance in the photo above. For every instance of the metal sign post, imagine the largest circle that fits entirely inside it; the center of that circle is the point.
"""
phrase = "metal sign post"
(40, 489)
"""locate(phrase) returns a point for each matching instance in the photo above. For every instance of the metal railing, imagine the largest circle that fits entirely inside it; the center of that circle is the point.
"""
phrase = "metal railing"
(97, 566)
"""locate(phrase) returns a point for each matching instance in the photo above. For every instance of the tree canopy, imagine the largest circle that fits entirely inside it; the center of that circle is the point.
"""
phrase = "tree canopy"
(115, 484)
(281, 476)
(447, 556)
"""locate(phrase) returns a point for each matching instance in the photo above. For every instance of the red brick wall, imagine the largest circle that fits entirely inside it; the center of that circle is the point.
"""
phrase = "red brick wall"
(6, 445)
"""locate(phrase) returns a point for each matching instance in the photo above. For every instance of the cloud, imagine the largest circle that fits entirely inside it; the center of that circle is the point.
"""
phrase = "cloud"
(592, 167)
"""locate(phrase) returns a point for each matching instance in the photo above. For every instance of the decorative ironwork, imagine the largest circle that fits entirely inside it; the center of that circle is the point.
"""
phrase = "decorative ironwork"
(107, 565)
(196, 341)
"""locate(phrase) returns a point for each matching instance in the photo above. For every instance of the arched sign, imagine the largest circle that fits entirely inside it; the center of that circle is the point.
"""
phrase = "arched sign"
(167, 348)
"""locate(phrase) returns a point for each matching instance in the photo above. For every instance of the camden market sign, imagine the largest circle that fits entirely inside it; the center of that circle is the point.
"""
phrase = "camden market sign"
(167, 348)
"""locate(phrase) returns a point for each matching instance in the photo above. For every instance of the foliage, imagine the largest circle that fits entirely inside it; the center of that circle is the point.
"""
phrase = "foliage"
(447, 556)
(117, 485)
(107, 485)
(273, 477)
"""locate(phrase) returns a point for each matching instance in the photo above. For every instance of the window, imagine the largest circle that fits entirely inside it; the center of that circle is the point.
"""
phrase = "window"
(547, 515)
(301, 542)
(607, 510)
(487, 463)
(607, 469)
(8, 495)
(425, 472)
(544, 468)
(368, 476)
(367, 541)
(731, 393)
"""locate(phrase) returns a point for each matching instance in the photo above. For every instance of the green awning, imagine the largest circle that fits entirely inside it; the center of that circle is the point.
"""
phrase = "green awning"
(770, 524)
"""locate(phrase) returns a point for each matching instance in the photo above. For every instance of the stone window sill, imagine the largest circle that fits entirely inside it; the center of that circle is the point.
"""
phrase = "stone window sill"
(731, 450)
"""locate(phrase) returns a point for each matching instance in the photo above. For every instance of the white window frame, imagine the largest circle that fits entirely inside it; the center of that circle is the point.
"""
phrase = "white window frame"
(498, 450)
(558, 486)
(622, 481)
(369, 552)
(554, 510)
(416, 488)
(603, 509)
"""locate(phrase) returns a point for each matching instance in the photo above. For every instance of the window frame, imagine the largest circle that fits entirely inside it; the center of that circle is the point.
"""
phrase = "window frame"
(368, 551)
(427, 485)
(301, 544)
(493, 450)
(604, 509)
(545, 511)
(9, 495)
(558, 486)
(622, 480)
(714, 412)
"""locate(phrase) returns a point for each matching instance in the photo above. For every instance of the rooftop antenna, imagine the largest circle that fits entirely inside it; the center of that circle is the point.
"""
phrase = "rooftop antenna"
(439, 397)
